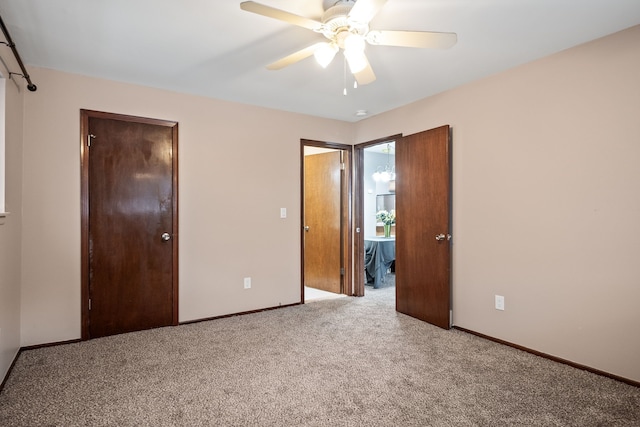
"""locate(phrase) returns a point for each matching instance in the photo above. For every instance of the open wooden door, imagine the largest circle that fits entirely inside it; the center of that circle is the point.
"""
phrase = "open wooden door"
(423, 246)
(322, 256)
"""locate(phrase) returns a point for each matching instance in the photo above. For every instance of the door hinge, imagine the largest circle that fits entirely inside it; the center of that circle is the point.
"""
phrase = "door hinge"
(341, 166)
(341, 271)
(89, 138)
(89, 303)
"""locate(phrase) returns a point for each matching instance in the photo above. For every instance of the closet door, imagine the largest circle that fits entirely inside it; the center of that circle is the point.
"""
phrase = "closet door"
(129, 224)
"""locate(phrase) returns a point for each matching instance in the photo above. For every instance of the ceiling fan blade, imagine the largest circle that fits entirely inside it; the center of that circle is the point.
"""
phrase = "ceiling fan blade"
(364, 10)
(294, 57)
(425, 39)
(366, 75)
(271, 12)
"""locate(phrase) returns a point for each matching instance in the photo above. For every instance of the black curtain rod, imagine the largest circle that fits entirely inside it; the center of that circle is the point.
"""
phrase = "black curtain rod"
(12, 45)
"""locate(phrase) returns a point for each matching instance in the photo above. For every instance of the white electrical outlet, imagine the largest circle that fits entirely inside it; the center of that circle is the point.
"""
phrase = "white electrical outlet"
(499, 302)
(283, 212)
(247, 282)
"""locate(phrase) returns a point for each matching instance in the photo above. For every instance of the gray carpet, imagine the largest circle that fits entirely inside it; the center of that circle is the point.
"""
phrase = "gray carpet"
(340, 362)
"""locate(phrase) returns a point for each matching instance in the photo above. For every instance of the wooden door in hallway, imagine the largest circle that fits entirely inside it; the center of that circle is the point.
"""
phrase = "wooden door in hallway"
(423, 247)
(322, 221)
(129, 223)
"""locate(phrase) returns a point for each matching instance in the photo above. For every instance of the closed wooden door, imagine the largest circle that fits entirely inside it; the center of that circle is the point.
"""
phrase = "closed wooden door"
(423, 247)
(322, 221)
(129, 224)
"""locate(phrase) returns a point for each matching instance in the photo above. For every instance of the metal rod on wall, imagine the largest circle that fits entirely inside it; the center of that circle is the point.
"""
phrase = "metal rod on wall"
(12, 45)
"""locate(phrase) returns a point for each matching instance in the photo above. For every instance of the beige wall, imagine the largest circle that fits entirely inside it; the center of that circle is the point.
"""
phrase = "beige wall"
(10, 241)
(545, 193)
(238, 165)
(546, 201)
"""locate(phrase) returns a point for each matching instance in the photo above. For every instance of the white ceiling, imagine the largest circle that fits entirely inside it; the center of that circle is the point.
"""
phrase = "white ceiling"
(212, 48)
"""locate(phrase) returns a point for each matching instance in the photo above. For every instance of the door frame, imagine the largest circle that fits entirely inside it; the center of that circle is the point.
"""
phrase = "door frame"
(346, 214)
(85, 115)
(358, 210)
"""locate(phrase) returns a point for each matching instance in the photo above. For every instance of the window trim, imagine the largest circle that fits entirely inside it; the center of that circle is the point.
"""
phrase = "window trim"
(3, 180)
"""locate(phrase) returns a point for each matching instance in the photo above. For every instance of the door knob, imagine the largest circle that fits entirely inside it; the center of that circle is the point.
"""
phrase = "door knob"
(306, 228)
(165, 237)
(443, 237)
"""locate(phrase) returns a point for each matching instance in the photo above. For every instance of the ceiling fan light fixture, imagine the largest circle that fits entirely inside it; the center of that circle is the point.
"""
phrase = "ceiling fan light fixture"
(354, 43)
(354, 52)
(356, 60)
(325, 53)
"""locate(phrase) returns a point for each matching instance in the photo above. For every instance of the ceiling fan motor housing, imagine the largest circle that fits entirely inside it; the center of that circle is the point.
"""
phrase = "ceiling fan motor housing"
(337, 25)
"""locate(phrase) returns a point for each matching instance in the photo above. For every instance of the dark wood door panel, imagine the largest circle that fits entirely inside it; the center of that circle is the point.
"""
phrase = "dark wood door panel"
(423, 286)
(130, 191)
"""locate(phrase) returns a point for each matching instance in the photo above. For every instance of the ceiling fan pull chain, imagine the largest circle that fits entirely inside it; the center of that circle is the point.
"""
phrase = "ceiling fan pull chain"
(344, 75)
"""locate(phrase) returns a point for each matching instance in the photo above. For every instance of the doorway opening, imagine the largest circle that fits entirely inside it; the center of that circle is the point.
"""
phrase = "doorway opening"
(374, 204)
(325, 220)
(379, 217)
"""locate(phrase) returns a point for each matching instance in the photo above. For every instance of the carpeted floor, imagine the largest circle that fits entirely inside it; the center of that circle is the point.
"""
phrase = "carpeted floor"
(339, 362)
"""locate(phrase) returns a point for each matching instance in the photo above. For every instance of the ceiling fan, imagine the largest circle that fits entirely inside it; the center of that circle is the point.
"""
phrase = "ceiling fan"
(346, 26)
